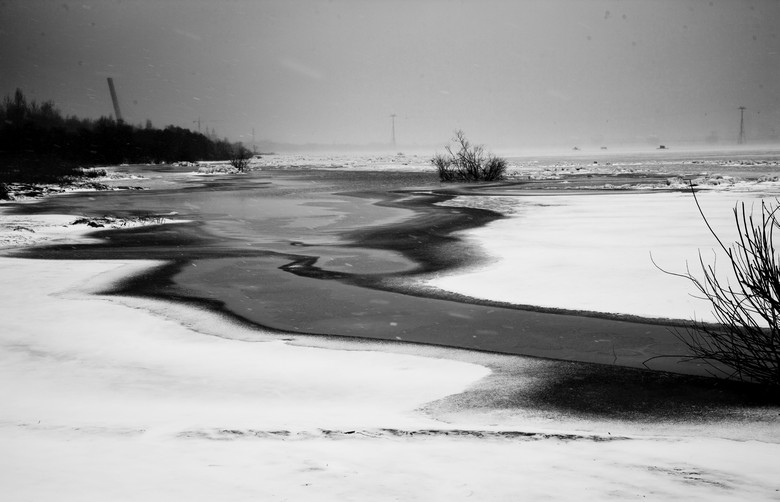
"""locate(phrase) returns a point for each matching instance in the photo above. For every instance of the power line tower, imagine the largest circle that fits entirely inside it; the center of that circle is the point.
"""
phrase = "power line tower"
(741, 139)
(393, 118)
(204, 121)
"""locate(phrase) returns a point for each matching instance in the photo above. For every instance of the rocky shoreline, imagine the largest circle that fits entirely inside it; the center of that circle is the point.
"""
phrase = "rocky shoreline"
(27, 191)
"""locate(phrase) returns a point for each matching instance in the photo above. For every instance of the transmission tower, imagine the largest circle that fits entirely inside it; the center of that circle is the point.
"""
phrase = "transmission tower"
(393, 118)
(199, 122)
(741, 139)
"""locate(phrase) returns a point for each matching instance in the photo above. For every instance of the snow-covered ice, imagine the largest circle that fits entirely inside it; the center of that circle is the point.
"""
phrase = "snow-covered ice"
(596, 251)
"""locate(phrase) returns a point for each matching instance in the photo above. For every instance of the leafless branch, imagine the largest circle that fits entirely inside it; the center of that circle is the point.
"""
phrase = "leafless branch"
(746, 337)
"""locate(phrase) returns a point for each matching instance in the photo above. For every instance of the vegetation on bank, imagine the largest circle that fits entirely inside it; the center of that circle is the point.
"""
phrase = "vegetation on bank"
(40, 145)
(240, 157)
(746, 337)
(468, 162)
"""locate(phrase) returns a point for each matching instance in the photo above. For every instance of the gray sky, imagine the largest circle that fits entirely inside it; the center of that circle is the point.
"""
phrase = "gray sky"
(512, 74)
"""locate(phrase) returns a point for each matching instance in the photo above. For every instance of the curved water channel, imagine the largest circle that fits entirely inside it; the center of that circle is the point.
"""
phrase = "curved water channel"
(338, 253)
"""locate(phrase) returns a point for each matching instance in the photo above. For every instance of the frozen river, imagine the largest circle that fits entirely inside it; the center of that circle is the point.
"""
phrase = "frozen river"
(556, 262)
(222, 350)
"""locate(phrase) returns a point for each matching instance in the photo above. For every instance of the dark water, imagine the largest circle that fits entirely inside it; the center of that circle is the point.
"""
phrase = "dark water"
(335, 253)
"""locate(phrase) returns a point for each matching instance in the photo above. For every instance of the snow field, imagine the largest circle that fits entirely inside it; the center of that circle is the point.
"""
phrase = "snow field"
(89, 465)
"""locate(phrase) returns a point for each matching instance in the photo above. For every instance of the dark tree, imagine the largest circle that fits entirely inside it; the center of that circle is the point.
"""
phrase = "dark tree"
(38, 144)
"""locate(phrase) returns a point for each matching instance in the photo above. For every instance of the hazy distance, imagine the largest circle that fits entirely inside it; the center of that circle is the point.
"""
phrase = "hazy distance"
(512, 74)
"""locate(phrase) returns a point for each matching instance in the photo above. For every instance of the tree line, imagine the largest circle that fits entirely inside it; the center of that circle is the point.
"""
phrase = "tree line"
(38, 143)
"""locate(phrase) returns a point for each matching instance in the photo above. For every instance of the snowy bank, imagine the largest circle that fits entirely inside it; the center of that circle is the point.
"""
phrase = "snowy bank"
(103, 401)
(28, 230)
(596, 251)
(91, 362)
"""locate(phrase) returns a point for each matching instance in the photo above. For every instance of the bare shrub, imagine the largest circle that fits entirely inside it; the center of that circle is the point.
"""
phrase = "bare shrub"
(443, 165)
(746, 338)
(494, 168)
(240, 157)
(468, 162)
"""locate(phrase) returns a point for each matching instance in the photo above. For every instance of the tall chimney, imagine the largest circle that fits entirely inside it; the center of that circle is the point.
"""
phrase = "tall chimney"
(117, 113)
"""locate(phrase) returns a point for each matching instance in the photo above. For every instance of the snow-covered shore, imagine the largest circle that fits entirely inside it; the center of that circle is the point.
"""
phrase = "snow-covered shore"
(577, 251)
(28, 230)
(108, 398)
(744, 171)
(105, 401)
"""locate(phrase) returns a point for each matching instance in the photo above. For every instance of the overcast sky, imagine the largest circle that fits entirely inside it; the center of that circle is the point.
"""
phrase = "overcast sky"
(512, 74)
